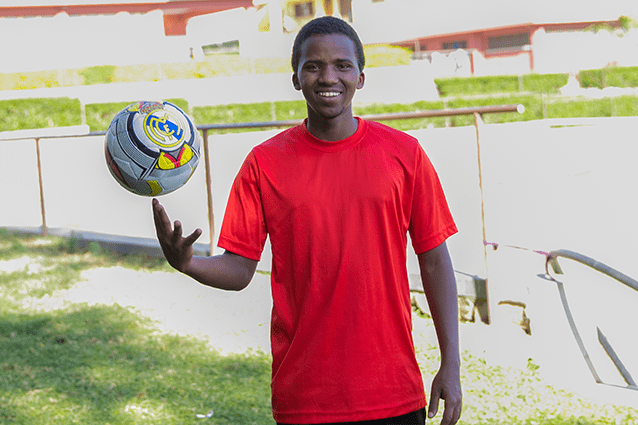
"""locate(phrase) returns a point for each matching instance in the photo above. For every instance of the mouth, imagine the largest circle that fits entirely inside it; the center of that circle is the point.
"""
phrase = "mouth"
(328, 94)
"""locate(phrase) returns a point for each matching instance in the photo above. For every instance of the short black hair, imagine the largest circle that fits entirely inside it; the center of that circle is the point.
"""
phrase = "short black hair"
(323, 26)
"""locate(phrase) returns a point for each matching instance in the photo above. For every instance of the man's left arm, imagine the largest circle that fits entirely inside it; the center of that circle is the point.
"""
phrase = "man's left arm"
(439, 285)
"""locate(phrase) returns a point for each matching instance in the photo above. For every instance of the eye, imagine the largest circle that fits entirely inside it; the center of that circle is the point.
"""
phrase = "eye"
(344, 66)
(310, 67)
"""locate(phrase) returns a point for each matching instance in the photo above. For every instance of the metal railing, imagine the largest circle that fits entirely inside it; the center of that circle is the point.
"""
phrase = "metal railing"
(477, 112)
(552, 262)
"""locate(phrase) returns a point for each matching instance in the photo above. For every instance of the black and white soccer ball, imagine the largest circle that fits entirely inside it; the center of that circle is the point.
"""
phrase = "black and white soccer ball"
(152, 148)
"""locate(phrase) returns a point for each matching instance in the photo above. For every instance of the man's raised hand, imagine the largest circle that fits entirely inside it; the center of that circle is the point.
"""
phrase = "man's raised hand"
(177, 249)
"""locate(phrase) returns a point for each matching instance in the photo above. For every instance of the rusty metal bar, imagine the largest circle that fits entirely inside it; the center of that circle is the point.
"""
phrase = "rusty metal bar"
(478, 123)
(479, 110)
(41, 185)
(495, 109)
(209, 191)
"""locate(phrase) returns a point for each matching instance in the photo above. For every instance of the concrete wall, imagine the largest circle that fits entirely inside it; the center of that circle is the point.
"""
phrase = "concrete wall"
(559, 52)
(545, 188)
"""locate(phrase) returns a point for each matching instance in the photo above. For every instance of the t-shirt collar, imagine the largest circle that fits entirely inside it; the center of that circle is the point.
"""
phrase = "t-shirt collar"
(333, 146)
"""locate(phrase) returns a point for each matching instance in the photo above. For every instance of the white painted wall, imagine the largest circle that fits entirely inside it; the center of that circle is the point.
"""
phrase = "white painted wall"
(559, 52)
(63, 42)
(545, 188)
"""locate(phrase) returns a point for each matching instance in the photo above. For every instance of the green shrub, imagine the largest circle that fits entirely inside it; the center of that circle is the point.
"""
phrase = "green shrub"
(291, 110)
(99, 115)
(20, 114)
(468, 86)
(532, 103)
(386, 55)
(591, 78)
(544, 83)
(580, 108)
(405, 124)
(625, 106)
(234, 113)
(613, 76)
(29, 80)
(98, 74)
(621, 76)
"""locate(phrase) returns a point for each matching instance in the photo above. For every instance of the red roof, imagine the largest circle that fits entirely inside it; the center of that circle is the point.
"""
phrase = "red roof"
(176, 13)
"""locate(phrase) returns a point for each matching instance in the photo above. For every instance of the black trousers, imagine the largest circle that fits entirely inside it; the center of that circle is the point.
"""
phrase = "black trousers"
(414, 418)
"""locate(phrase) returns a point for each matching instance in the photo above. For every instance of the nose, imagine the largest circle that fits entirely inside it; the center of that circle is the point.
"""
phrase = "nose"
(329, 75)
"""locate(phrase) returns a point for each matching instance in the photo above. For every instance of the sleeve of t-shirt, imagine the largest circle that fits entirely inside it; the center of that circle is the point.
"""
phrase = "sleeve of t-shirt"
(431, 221)
(243, 229)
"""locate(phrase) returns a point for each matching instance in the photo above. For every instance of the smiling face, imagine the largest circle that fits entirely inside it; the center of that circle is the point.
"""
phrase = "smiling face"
(328, 76)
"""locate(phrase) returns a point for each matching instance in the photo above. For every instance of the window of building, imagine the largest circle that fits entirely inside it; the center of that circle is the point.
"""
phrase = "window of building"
(453, 45)
(345, 8)
(508, 41)
(303, 10)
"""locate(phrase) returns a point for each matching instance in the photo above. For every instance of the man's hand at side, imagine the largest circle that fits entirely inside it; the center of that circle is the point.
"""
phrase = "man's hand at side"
(446, 386)
(439, 285)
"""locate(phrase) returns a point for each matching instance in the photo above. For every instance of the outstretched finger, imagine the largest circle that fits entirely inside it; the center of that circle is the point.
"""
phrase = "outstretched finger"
(190, 239)
(162, 223)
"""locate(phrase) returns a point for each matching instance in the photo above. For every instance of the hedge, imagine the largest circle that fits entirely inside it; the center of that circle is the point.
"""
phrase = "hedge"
(59, 112)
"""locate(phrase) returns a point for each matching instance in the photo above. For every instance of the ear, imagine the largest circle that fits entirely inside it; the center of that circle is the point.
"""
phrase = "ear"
(362, 80)
(295, 82)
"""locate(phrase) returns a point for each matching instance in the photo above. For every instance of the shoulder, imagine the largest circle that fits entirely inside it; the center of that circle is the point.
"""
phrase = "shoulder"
(281, 140)
(392, 138)
(375, 128)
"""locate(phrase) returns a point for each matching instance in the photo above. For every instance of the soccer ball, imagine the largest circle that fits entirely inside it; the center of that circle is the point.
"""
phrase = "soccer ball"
(152, 148)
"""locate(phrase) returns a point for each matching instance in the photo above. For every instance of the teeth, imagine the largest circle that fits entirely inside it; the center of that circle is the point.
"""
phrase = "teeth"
(329, 94)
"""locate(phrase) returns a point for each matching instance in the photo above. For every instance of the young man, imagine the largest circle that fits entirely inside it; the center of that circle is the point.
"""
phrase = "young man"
(337, 195)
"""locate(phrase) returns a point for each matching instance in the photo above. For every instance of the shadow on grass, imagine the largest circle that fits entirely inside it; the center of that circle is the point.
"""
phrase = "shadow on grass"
(104, 364)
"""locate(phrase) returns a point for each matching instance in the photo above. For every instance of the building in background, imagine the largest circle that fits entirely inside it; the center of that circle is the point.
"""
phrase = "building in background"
(447, 37)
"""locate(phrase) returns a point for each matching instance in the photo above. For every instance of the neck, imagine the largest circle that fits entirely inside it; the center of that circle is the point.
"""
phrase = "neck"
(332, 129)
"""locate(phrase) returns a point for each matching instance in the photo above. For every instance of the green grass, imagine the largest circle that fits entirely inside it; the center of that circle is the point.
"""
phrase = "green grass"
(103, 364)
(580, 108)
(613, 76)
(20, 114)
(215, 65)
(109, 365)
(407, 124)
(235, 113)
(467, 86)
(98, 74)
(57, 112)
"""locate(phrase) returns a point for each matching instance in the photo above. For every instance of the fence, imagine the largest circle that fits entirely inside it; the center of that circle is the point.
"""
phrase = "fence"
(37, 135)
(481, 160)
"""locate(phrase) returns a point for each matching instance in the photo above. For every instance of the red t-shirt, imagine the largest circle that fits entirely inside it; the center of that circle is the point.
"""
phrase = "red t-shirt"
(338, 214)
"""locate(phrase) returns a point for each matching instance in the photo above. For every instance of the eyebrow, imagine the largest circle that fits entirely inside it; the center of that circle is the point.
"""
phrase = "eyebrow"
(319, 61)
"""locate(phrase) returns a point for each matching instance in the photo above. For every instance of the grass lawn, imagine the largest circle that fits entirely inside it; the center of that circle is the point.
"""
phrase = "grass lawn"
(106, 364)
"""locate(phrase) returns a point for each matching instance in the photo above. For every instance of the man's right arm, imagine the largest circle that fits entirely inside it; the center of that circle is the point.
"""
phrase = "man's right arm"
(227, 271)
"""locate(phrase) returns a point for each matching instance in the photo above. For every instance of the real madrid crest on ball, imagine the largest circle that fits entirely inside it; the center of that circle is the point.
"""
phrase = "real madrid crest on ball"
(152, 148)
